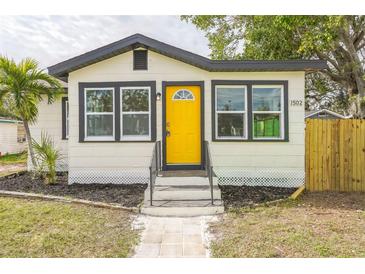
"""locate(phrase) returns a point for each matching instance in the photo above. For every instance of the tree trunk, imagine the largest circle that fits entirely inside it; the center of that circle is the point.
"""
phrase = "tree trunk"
(357, 70)
(29, 141)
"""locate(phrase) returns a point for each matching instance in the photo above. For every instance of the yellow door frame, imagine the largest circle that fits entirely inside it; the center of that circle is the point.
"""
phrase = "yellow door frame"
(166, 84)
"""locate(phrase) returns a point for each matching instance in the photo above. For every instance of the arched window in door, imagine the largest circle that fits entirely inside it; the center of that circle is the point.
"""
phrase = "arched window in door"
(183, 94)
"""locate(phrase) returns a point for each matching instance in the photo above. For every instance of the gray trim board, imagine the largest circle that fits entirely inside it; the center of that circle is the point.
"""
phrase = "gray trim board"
(62, 69)
(249, 84)
(165, 84)
(63, 108)
(117, 86)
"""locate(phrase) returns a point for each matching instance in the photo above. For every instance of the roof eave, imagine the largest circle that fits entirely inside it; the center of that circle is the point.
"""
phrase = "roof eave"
(62, 69)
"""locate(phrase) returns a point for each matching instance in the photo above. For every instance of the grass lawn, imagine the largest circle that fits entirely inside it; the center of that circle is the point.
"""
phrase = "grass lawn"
(51, 229)
(317, 225)
(20, 158)
(11, 163)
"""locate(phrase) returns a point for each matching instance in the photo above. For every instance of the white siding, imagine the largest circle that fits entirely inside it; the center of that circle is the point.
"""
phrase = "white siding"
(93, 156)
(9, 139)
(50, 121)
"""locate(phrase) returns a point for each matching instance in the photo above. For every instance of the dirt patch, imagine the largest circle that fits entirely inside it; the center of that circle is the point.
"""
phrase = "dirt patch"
(125, 195)
(323, 224)
(6, 169)
(240, 196)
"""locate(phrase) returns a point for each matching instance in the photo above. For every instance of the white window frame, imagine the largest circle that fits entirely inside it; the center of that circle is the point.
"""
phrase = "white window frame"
(245, 137)
(99, 138)
(135, 137)
(67, 119)
(281, 113)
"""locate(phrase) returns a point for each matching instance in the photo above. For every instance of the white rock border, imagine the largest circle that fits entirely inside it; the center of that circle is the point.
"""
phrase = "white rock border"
(34, 196)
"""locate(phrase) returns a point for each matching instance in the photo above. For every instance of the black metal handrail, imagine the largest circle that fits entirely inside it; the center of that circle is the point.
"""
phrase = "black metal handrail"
(209, 168)
(155, 167)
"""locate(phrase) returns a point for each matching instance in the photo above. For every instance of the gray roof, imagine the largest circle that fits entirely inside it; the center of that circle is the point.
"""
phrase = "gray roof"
(62, 69)
(311, 113)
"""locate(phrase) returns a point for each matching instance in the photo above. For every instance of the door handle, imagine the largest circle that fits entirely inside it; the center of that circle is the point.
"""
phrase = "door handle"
(168, 133)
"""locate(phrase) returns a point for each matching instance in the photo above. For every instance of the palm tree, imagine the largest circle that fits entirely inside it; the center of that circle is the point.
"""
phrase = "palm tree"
(22, 87)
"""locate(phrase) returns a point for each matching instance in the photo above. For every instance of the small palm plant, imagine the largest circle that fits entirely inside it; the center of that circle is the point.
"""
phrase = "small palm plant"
(47, 157)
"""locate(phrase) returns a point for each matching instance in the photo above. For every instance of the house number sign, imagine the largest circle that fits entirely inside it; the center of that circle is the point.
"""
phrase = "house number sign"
(296, 103)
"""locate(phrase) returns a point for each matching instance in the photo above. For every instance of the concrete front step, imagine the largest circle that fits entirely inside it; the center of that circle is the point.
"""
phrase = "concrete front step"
(182, 211)
(182, 193)
(183, 197)
(180, 181)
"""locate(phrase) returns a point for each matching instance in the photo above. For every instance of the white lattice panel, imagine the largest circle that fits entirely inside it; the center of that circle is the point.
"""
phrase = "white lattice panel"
(109, 176)
(277, 177)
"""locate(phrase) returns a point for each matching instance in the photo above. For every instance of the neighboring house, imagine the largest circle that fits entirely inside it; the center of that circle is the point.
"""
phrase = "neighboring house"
(12, 136)
(127, 95)
(323, 114)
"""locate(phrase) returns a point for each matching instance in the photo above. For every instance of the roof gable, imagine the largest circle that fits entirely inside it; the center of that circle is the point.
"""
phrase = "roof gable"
(327, 111)
(62, 69)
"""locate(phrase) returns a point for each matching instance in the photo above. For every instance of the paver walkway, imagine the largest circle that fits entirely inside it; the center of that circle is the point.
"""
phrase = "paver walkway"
(172, 237)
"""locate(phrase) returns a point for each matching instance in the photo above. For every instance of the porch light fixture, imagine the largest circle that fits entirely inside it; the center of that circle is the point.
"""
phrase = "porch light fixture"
(158, 96)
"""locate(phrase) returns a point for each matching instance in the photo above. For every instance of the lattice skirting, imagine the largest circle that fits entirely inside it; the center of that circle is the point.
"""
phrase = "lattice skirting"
(277, 177)
(108, 176)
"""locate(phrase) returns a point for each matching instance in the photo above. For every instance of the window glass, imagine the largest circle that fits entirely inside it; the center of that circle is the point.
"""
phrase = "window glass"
(99, 112)
(183, 94)
(231, 125)
(266, 125)
(135, 124)
(135, 99)
(135, 113)
(99, 125)
(231, 98)
(231, 112)
(266, 98)
(99, 100)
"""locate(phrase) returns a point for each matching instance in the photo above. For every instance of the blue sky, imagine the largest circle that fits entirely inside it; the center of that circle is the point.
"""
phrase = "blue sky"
(51, 39)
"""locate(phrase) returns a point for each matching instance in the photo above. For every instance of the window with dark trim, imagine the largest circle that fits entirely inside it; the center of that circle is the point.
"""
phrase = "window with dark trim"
(268, 111)
(117, 111)
(249, 110)
(135, 113)
(99, 114)
(65, 118)
(140, 59)
(231, 112)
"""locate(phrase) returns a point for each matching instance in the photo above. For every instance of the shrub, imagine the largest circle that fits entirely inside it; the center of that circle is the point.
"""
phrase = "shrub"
(47, 157)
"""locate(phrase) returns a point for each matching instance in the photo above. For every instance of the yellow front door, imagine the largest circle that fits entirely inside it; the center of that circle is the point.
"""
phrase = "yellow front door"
(183, 136)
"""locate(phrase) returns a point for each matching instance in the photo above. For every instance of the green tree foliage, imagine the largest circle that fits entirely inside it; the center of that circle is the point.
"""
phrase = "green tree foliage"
(339, 40)
(22, 87)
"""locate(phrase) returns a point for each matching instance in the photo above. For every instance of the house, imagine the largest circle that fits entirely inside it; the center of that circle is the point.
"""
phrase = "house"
(124, 97)
(12, 136)
(323, 114)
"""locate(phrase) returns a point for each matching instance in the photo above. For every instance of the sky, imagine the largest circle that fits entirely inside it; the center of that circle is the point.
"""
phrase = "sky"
(52, 39)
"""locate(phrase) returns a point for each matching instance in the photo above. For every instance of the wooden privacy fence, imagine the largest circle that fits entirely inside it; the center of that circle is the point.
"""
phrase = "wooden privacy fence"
(335, 155)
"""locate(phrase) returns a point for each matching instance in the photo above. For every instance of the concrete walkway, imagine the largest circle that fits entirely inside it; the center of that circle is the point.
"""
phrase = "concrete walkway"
(172, 237)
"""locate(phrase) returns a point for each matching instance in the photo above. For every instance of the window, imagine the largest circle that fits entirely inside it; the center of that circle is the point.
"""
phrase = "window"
(135, 113)
(140, 60)
(99, 114)
(250, 110)
(230, 114)
(65, 119)
(183, 94)
(267, 112)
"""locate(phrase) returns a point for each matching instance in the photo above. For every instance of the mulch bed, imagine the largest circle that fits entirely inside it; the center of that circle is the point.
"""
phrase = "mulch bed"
(125, 195)
(240, 196)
